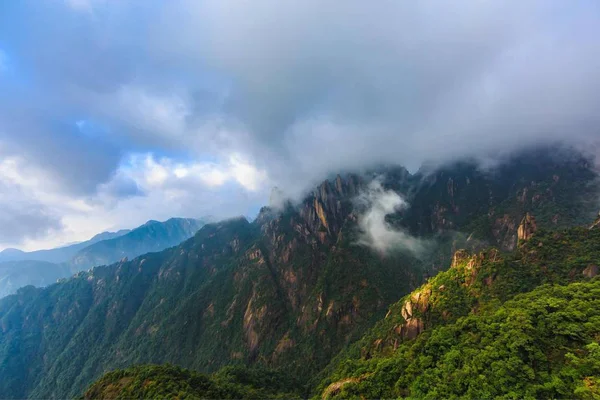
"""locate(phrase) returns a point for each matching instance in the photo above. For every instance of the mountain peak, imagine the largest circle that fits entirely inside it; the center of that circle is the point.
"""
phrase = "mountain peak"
(11, 251)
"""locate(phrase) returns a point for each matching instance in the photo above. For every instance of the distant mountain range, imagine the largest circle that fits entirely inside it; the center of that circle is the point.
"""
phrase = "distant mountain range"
(59, 254)
(151, 237)
(16, 274)
(44, 267)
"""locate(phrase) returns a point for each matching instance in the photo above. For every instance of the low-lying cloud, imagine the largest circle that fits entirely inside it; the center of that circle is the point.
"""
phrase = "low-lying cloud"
(375, 231)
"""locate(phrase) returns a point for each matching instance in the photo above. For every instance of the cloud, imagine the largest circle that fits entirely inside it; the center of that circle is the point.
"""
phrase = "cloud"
(149, 172)
(83, 5)
(395, 72)
(73, 161)
(245, 95)
(22, 216)
(375, 231)
(322, 86)
(37, 213)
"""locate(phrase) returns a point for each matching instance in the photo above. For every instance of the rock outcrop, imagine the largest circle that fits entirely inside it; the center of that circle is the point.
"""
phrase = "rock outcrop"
(412, 312)
(590, 271)
(596, 223)
(328, 207)
(527, 227)
(460, 256)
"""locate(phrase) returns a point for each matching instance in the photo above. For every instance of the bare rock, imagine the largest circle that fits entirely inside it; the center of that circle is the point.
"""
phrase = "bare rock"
(596, 223)
(459, 257)
(412, 328)
(590, 271)
(527, 227)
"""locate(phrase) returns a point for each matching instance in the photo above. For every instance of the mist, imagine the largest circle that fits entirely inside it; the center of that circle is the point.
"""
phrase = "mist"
(374, 231)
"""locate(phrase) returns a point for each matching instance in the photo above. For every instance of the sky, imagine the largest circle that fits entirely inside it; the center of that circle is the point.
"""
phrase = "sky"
(113, 112)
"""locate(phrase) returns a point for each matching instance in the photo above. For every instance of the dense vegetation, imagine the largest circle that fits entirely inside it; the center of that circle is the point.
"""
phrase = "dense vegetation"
(543, 344)
(524, 324)
(169, 382)
(171, 307)
(292, 291)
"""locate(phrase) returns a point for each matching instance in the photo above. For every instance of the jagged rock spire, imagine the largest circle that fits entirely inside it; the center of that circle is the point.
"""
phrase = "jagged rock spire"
(459, 256)
(527, 227)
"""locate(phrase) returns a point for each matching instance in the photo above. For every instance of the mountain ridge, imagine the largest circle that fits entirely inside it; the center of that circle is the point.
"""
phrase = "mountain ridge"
(290, 290)
(151, 236)
(105, 249)
(58, 254)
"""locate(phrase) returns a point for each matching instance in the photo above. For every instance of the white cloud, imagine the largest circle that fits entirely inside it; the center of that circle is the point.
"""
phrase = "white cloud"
(24, 213)
(151, 172)
(154, 116)
(143, 187)
(246, 174)
(375, 231)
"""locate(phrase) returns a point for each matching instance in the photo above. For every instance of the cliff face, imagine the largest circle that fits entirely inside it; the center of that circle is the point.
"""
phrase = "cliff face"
(332, 287)
(556, 185)
(527, 228)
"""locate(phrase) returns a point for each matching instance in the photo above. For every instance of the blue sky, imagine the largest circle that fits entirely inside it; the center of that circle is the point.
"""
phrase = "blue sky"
(113, 112)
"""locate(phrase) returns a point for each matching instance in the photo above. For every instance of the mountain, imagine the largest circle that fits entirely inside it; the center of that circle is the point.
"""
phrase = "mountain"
(294, 289)
(16, 274)
(523, 324)
(59, 254)
(296, 309)
(104, 248)
(150, 237)
(520, 325)
(556, 184)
